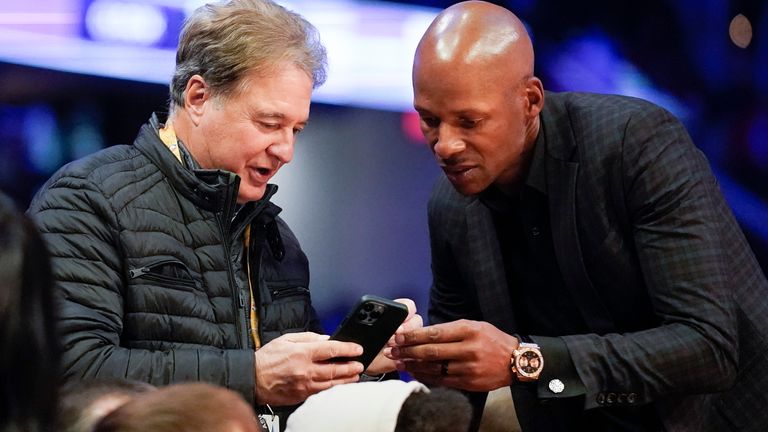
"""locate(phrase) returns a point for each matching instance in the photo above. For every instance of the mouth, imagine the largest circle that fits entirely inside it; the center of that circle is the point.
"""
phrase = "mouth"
(262, 174)
(456, 170)
(458, 174)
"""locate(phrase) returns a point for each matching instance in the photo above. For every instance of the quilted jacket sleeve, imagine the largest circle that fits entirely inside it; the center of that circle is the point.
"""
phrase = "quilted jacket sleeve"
(82, 231)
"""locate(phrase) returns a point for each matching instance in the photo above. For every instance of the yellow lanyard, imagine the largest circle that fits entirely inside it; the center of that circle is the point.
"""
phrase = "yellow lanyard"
(168, 137)
(254, 319)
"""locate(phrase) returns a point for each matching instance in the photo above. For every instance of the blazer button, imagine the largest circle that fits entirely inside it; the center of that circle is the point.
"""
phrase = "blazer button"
(535, 231)
(631, 398)
(600, 398)
(611, 398)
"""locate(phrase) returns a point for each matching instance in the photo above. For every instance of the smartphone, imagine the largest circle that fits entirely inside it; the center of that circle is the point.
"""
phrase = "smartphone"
(370, 323)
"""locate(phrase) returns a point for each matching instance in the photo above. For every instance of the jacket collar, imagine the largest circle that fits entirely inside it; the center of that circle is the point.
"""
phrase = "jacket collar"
(212, 190)
(556, 139)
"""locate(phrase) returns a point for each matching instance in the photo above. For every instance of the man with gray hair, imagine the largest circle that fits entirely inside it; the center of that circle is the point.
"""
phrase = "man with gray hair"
(171, 262)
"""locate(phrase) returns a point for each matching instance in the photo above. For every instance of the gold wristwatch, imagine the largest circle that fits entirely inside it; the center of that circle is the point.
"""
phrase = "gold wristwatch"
(526, 362)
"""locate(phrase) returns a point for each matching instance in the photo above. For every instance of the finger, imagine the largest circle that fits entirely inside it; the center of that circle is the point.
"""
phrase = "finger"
(445, 332)
(387, 352)
(410, 304)
(415, 322)
(422, 368)
(328, 349)
(303, 337)
(381, 364)
(427, 373)
(323, 372)
(324, 385)
(431, 352)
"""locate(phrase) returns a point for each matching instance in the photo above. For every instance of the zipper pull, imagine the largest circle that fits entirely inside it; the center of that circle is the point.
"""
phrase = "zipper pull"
(134, 273)
(242, 301)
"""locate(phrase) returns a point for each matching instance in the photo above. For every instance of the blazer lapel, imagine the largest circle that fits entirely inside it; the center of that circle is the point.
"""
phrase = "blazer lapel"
(561, 193)
(486, 267)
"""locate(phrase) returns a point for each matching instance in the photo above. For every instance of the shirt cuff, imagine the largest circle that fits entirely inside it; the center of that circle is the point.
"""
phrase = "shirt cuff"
(558, 378)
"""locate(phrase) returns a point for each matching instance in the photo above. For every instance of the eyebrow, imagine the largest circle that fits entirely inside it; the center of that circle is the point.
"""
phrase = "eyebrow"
(267, 114)
(468, 113)
(276, 116)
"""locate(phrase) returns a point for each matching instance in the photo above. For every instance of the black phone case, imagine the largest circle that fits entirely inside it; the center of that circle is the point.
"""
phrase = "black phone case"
(370, 323)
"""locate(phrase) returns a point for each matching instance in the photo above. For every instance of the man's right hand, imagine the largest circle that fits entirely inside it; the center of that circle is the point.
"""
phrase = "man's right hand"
(295, 366)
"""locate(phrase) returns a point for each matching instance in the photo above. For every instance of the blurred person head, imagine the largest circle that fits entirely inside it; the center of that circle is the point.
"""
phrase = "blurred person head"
(30, 351)
(477, 97)
(189, 407)
(83, 404)
(386, 406)
(439, 410)
(245, 71)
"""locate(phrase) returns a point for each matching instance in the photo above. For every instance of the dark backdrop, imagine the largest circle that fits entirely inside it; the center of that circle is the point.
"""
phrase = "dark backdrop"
(356, 192)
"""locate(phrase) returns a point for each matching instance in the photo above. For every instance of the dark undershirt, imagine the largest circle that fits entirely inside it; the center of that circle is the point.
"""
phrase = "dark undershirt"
(543, 305)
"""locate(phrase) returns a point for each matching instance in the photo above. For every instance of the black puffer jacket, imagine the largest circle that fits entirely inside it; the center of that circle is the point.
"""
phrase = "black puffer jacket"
(146, 255)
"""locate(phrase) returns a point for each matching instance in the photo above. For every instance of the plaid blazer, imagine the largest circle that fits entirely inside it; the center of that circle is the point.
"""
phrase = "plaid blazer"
(676, 303)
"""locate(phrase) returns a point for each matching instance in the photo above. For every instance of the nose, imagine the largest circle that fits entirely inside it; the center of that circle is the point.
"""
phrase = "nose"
(448, 143)
(282, 148)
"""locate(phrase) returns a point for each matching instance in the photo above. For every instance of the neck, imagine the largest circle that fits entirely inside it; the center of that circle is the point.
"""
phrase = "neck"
(513, 187)
(181, 125)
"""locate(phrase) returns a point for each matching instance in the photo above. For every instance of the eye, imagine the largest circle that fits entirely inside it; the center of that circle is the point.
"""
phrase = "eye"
(270, 125)
(467, 123)
(429, 122)
(297, 131)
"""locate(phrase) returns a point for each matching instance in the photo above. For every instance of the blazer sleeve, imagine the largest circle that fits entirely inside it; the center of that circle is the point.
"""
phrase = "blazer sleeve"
(81, 231)
(673, 203)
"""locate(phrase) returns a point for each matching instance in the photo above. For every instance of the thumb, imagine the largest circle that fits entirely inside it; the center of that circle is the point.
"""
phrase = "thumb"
(303, 337)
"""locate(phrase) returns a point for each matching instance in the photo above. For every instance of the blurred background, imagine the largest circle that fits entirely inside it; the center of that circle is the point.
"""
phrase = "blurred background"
(80, 75)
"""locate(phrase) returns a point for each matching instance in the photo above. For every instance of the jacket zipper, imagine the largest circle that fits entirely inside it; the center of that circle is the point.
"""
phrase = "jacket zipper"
(223, 217)
(237, 297)
(146, 272)
(238, 300)
(279, 293)
(244, 315)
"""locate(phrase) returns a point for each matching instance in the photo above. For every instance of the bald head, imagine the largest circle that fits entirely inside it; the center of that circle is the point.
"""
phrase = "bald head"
(477, 98)
(478, 33)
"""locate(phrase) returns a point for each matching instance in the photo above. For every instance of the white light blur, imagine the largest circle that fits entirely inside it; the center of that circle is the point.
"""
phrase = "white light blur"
(141, 24)
(370, 46)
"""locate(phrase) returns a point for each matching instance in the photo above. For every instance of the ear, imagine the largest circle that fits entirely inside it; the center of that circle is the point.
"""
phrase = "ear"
(196, 95)
(534, 96)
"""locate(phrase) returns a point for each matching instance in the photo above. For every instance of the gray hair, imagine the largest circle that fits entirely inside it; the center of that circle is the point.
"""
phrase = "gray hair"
(224, 41)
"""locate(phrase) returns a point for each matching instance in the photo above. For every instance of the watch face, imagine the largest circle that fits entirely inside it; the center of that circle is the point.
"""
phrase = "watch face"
(529, 362)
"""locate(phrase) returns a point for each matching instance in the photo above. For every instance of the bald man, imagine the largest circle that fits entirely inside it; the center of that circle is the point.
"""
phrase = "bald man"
(582, 253)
